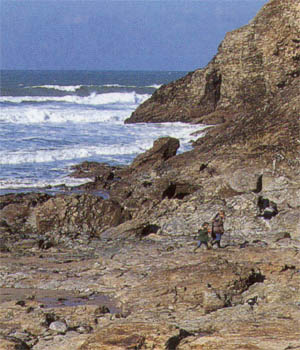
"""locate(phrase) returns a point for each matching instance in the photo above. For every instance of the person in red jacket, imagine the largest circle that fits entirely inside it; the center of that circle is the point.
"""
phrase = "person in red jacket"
(218, 228)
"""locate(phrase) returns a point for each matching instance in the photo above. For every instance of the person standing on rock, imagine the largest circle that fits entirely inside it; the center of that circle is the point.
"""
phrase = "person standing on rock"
(218, 228)
(203, 236)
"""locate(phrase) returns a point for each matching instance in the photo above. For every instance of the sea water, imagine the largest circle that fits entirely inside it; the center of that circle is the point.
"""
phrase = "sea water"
(52, 120)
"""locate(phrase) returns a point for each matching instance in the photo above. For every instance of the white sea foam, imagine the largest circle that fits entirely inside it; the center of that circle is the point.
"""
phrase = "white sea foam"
(41, 114)
(34, 183)
(73, 88)
(139, 143)
(124, 98)
(50, 155)
(155, 86)
(118, 85)
(69, 88)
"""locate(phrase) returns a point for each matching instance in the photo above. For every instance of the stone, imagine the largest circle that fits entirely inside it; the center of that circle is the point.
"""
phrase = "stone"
(15, 210)
(163, 149)
(244, 180)
(58, 326)
(76, 214)
(134, 228)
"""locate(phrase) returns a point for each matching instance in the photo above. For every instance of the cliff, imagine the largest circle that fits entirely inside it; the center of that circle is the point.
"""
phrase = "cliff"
(253, 64)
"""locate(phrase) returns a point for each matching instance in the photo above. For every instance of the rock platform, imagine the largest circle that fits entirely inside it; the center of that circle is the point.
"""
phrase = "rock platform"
(156, 294)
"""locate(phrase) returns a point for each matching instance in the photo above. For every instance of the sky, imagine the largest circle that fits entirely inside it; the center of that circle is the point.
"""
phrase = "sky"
(178, 35)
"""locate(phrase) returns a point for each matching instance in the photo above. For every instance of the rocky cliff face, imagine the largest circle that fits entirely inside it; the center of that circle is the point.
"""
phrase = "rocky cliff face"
(253, 64)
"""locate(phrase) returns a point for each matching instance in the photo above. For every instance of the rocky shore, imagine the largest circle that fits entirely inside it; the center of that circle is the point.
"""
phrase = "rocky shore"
(110, 265)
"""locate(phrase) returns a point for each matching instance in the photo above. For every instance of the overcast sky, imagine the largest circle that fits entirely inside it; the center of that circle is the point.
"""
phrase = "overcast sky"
(177, 35)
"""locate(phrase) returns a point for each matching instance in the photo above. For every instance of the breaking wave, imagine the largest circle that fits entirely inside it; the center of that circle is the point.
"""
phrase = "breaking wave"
(35, 115)
(125, 98)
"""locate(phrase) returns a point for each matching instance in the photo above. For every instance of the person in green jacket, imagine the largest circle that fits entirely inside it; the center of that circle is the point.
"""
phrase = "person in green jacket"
(203, 236)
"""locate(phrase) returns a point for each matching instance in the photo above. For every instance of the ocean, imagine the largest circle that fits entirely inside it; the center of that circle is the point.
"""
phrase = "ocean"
(52, 120)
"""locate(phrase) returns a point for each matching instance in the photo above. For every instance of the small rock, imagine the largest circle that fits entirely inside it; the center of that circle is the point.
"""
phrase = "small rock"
(84, 329)
(101, 310)
(21, 303)
(58, 326)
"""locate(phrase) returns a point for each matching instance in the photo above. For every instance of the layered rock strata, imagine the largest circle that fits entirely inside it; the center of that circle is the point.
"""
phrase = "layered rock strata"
(253, 64)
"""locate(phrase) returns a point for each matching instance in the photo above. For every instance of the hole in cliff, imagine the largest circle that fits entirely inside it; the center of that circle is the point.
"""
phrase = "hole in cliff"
(178, 191)
(181, 195)
(255, 277)
(169, 192)
(212, 90)
(149, 229)
(267, 208)
(281, 85)
(203, 166)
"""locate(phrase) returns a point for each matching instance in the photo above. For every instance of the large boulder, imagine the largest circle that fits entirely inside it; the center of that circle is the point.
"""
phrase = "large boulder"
(64, 213)
(76, 214)
(15, 209)
(163, 149)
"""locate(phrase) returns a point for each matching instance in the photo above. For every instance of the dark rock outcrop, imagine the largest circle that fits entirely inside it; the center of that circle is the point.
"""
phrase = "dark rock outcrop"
(68, 214)
(77, 214)
(163, 149)
(15, 209)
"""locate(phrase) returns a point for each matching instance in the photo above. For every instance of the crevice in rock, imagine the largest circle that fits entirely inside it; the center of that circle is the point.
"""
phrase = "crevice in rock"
(169, 192)
(243, 284)
(18, 343)
(267, 208)
(288, 267)
(281, 85)
(174, 341)
(212, 89)
(258, 184)
(147, 230)
(203, 166)
(49, 318)
(178, 191)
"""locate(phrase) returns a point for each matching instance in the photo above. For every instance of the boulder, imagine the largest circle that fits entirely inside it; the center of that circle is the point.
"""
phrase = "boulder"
(163, 149)
(15, 210)
(76, 214)
(244, 179)
(133, 228)
(58, 327)
(64, 213)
